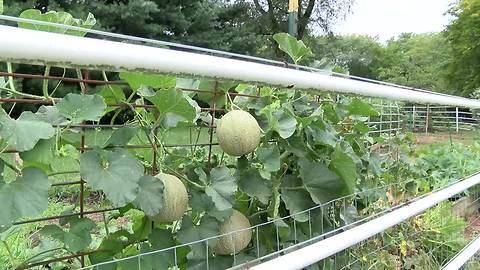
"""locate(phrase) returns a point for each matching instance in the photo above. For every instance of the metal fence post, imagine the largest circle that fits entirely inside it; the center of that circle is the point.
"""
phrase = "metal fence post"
(413, 119)
(427, 122)
(456, 119)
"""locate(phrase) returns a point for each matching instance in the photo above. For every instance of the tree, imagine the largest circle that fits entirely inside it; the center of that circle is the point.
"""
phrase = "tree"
(357, 54)
(417, 60)
(205, 23)
(463, 35)
(312, 15)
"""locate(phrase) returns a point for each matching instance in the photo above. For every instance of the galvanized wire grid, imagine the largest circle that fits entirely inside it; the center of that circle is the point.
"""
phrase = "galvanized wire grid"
(439, 118)
(361, 255)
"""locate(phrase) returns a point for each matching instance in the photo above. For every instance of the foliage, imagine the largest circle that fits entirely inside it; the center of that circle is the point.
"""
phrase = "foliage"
(417, 60)
(360, 55)
(295, 49)
(463, 37)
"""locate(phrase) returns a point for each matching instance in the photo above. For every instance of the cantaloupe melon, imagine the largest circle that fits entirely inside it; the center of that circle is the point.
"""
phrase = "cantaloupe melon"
(234, 242)
(175, 199)
(238, 133)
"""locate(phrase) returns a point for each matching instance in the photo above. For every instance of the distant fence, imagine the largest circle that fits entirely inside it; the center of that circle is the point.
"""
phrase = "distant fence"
(439, 118)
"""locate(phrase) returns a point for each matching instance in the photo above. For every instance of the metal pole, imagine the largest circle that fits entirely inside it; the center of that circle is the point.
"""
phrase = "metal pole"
(293, 18)
(413, 119)
(456, 118)
(427, 122)
(463, 256)
(306, 255)
(25, 45)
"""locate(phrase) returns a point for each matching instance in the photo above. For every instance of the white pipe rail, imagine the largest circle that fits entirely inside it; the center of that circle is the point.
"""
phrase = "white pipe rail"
(35, 47)
(318, 251)
(463, 256)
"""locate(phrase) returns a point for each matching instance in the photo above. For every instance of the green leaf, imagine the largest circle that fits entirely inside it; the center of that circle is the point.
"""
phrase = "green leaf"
(211, 86)
(322, 184)
(1, 7)
(296, 49)
(80, 108)
(222, 188)
(51, 16)
(41, 156)
(25, 197)
(56, 17)
(18, 133)
(269, 157)
(51, 115)
(358, 107)
(174, 104)
(208, 227)
(251, 182)
(110, 245)
(160, 239)
(345, 167)
(282, 121)
(112, 94)
(121, 136)
(202, 203)
(88, 23)
(141, 227)
(296, 197)
(136, 80)
(150, 195)
(76, 238)
(116, 173)
(321, 136)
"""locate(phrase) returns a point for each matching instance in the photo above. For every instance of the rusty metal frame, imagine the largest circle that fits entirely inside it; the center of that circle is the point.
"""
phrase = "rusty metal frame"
(86, 81)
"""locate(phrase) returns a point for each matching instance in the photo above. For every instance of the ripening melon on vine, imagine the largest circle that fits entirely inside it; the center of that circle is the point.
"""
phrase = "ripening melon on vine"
(175, 199)
(237, 234)
(238, 133)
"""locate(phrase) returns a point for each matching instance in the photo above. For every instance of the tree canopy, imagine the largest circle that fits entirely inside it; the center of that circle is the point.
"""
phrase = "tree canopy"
(463, 35)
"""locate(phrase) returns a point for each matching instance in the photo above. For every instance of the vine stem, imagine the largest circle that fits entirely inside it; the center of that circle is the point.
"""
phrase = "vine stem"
(45, 82)
(14, 168)
(258, 213)
(64, 172)
(105, 224)
(80, 76)
(10, 78)
(39, 254)
(15, 92)
(114, 117)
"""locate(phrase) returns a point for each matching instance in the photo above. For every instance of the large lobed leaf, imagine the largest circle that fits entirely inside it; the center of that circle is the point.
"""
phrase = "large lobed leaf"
(150, 195)
(117, 173)
(175, 106)
(296, 197)
(77, 237)
(222, 188)
(24, 133)
(322, 184)
(296, 49)
(56, 17)
(78, 108)
(25, 197)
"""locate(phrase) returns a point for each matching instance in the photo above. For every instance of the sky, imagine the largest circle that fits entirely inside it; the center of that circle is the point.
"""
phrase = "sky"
(389, 18)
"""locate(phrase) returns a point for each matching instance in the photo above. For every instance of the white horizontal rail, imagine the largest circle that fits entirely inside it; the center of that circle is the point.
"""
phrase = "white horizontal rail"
(36, 47)
(318, 251)
(463, 256)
